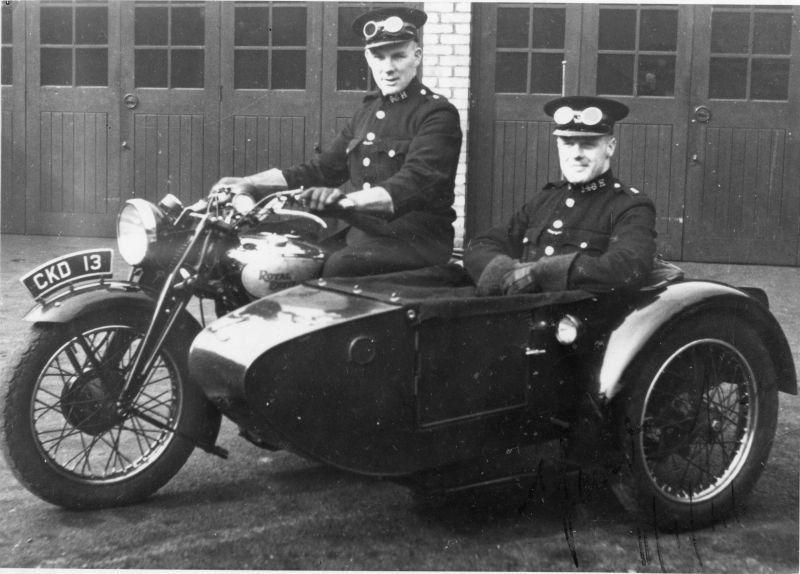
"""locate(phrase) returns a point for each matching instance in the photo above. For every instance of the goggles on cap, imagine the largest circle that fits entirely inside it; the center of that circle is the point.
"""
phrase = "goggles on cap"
(392, 25)
(589, 117)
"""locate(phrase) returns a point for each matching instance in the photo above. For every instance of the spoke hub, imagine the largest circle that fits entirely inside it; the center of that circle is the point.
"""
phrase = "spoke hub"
(90, 402)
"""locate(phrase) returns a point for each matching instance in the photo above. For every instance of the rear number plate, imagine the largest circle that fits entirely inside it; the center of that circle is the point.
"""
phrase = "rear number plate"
(57, 273)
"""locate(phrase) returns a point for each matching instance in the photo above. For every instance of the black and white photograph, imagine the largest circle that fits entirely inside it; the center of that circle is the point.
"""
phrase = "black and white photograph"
(400, 286)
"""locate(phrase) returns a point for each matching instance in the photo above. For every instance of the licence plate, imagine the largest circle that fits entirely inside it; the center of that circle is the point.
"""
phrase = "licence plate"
(63, 271)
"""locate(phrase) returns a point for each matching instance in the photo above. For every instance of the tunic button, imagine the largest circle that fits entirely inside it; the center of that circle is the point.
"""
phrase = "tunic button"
(367, 185)
(558, 224)
(584, 245)
(370, 136)
(365, 162)
(570, 202)
(392, 153)
(422, 91)
(549, 250)
(380, 114)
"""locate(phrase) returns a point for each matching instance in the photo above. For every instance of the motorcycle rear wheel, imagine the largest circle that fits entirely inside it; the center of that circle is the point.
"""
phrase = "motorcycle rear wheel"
(64, 437)
(696, 423)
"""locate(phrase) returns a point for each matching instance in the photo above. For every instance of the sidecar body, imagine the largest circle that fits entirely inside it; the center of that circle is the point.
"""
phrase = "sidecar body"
(397, 374)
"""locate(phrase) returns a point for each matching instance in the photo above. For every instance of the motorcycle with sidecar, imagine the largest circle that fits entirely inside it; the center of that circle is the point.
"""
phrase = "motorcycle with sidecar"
(672, 388)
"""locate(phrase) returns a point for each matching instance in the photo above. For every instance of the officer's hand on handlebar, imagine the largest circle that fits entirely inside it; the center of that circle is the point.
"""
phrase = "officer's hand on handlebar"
(323, 198)
(232, 185)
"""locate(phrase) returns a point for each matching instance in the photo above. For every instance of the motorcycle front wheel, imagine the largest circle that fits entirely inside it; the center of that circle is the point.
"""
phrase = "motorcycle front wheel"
(696, 423)
(64, 435)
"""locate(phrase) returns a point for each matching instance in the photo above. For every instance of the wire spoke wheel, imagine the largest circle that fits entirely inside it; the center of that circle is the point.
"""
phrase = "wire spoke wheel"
(66, 433)
(698, 422)
(79, 426)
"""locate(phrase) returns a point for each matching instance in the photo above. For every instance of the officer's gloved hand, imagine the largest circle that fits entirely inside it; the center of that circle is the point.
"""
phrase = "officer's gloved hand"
(232, 186)
(521, 279)
(321, 198)
(490, 282)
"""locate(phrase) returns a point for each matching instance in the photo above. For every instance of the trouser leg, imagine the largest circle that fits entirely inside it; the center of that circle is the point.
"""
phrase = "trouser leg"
(373, 256)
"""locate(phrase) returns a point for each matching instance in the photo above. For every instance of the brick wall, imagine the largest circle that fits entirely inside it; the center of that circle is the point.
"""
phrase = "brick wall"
(446, 71)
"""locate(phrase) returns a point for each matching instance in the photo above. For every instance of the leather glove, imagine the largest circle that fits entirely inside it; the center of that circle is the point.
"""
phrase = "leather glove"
(321, 198)
(521, 279)
(232, 186)
(491, 280)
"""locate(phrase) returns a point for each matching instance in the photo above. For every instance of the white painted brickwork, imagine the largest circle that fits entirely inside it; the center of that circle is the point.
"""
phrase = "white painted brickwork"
(446, 71)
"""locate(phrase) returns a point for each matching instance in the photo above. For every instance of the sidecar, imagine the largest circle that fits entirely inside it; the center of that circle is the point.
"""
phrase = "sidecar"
(671, 388)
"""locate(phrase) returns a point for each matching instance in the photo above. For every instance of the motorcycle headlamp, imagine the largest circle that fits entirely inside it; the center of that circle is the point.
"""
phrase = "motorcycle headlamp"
(137, 226)
(568, 329)
(243, 203)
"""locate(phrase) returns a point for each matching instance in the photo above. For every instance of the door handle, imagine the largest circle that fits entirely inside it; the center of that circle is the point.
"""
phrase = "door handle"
(130, 101)
(702, 114)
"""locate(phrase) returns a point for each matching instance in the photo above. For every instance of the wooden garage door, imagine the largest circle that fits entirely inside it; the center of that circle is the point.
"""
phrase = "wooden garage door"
(743, 188)
(12, 129)
(724, 187)
(530, 53)
(72, 117)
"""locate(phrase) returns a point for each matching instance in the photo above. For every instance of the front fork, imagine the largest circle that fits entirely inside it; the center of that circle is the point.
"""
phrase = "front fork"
(173, 298)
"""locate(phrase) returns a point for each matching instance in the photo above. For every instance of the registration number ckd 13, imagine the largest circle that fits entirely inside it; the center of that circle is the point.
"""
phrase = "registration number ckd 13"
(63, 271)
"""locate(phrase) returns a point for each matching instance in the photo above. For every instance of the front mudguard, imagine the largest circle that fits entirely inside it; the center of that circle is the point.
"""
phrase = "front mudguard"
(678, 302)
(90, 298)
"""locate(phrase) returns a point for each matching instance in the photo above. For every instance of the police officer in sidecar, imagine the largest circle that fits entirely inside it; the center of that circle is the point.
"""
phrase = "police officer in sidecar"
(589, 231)
(400, 153)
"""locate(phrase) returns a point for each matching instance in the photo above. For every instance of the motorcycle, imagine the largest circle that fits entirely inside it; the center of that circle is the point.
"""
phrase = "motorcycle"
(672, 388)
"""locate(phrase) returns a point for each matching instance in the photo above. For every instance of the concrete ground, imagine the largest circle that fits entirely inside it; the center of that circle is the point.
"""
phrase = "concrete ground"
(263, 510)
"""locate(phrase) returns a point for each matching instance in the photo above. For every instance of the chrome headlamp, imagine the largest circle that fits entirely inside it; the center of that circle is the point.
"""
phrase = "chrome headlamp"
(243, 203)
(137, 226)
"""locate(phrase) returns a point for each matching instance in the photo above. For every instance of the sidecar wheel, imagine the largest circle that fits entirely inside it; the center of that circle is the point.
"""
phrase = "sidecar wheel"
(64, 437)
(696, 423)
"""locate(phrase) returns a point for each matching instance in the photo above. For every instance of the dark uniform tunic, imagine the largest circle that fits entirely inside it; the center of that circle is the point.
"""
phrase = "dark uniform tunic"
(409, 144)
(596, 236)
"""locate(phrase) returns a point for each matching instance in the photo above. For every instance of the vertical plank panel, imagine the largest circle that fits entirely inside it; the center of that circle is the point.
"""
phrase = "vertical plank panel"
(173, 155)
(161, 186)
(196, 164)
(184, 174)
(530, 184)
(57, 181)
(521, 154)
(79, 161)
(46, 162)
(494, 216)
(275, 158)
(90, 163)
(238, 141)
(103, 184)
(740, 194)
(68, 167)
(262, 148)
(139, 145)
(251, 144)
(509, 153)
(299, 139)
